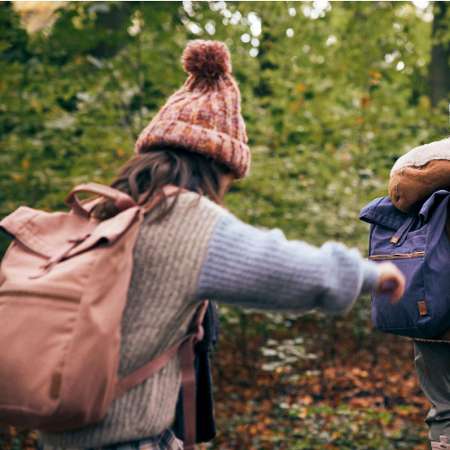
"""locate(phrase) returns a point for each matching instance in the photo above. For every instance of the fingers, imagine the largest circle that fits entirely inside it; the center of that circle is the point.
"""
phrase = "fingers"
(392, 282)
(398, 291)
(392, 287)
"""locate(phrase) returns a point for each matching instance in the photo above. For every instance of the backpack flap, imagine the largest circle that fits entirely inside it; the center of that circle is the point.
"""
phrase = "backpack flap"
(47, 233)
(429, 206)
(42, 232)
(109, 230)
(382, 212)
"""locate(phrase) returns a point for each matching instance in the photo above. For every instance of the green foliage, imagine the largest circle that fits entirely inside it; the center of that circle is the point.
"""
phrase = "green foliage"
(330, 101)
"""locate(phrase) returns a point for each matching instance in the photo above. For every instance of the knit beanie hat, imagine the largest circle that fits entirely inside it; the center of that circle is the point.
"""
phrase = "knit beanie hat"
(204, 116)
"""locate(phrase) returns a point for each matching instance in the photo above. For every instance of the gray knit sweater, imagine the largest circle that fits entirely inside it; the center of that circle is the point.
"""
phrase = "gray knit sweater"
(202, 251)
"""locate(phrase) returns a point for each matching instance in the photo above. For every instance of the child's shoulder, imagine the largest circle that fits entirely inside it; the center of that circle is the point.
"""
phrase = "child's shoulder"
(200, 204)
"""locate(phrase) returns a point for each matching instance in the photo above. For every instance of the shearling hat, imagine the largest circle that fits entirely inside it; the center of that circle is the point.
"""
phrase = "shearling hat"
(204, 116)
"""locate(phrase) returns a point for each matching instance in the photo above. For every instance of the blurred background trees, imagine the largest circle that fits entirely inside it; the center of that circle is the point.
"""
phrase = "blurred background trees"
(332, 94)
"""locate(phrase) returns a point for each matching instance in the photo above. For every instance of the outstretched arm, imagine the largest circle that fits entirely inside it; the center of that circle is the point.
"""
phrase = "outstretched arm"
(261, 269)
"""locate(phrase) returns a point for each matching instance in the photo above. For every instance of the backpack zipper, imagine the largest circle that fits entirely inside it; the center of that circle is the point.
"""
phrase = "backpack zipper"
(44, 295)
(397, 256)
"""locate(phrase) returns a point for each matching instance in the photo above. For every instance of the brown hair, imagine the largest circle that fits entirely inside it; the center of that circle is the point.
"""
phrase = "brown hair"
(144, 176)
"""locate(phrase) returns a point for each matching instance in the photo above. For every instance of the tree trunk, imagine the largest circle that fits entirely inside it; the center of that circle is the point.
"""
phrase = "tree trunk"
(440, 54)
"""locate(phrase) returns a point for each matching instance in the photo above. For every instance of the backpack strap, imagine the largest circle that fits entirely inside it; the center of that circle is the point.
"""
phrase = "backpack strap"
(122, 200)
(185, 349)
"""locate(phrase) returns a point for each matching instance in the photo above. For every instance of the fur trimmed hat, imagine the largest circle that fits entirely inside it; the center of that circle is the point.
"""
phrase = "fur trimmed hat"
(204, 115)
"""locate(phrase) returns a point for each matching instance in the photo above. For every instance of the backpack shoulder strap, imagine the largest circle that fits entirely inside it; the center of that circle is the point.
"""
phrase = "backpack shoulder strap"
(185, 349)
(156, 364)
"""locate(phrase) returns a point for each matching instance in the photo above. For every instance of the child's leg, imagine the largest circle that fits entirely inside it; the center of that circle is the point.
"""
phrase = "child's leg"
(433, 369)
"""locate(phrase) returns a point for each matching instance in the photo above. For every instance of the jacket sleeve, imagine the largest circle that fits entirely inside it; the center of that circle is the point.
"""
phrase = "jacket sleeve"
(261, 269)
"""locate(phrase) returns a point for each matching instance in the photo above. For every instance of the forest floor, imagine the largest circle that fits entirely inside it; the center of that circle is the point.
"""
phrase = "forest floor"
(345, 392)
(356, 393)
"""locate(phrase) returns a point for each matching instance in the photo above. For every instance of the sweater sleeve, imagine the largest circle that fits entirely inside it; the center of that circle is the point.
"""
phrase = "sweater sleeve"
(261, 269)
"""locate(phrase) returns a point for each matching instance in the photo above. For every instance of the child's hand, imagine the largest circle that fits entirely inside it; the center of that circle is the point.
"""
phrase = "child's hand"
(391, 282)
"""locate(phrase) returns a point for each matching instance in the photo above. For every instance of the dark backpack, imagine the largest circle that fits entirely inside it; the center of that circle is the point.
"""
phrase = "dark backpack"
(418, 244)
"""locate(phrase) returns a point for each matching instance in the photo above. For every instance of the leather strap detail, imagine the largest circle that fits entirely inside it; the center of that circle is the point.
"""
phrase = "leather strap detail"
(188, 392)
(149, 369)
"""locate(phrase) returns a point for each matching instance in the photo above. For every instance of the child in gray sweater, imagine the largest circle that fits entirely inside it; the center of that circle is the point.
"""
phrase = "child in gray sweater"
(190, 248)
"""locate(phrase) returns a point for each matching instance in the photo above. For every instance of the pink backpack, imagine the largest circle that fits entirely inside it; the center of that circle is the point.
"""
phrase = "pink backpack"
(63, 288)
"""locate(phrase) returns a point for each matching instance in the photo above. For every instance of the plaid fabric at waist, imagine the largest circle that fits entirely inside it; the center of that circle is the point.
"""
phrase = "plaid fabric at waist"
(164, 441)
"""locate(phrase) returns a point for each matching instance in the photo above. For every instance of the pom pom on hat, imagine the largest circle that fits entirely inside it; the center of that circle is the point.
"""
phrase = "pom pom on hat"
(204, 115)
(206, 60)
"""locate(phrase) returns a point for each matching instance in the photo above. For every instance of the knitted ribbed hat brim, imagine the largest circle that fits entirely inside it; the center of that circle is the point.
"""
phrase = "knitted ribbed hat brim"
(221, 147)
(204, 115)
